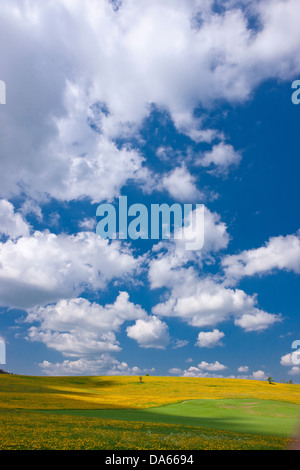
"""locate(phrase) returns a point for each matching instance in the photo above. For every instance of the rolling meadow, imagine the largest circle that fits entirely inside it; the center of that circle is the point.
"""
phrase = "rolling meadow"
(157, 413)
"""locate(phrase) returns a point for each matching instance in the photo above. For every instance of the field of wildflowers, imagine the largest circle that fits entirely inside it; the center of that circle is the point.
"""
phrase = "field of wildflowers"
(27, 420)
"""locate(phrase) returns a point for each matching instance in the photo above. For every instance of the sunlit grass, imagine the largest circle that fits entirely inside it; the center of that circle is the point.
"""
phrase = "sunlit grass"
(27, 421)
(23, 392)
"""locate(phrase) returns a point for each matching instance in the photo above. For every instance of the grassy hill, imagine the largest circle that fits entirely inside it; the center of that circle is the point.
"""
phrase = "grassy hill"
(159, 413)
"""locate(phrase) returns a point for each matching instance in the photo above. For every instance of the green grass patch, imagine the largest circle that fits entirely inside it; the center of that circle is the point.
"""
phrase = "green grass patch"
(262, 417)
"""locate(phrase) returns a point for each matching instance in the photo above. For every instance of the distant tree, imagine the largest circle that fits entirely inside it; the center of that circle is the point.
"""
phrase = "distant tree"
(147, 375)
(270, 380)
(289, 382)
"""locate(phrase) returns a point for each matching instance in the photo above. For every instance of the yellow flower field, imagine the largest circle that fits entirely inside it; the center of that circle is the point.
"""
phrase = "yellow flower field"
(38, 431)
(22, 392)
(29, 420)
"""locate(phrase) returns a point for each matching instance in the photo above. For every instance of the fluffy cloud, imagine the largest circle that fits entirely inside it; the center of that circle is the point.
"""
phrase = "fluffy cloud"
(45, 267)
(221, 157)
(77, 327)
(80, 80)
(88, 224)
(12, 224)
(278, 253)
(174, 54)
(180, 184)
(295, 370)
(205, 369)
(75, 343)
(204, 302)
(209, 339)
(257, 320)
(259, 375)
(291, 360)
(286, 360)
(149, 333)
(256, 375)
(101, 365)
(215, 366)
(243, 369)
(168, 267)
(88, 164)
(66, 157)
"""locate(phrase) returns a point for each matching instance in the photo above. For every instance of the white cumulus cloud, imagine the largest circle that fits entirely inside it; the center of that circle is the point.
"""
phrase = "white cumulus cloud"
(45, 267)
(77, 327)
(101, 365)
(149, 333)
(12, 224)
(221, 157)
(91, 73)
(281, 252)
(209, 339)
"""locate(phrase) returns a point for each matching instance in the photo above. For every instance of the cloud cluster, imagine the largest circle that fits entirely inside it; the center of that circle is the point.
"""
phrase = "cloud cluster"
(77, 327)
(205, 302)
(169, 265)
(213, 369)
(205, 369)
(80, 76)
(256, 375)
(44, 267)
(104, 364)
(198, 299)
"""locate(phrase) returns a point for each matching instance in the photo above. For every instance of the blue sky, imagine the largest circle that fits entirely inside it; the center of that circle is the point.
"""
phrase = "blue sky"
(173, 102)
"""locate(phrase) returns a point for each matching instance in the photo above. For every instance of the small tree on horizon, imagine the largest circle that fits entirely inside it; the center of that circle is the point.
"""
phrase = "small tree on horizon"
(270, 380)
